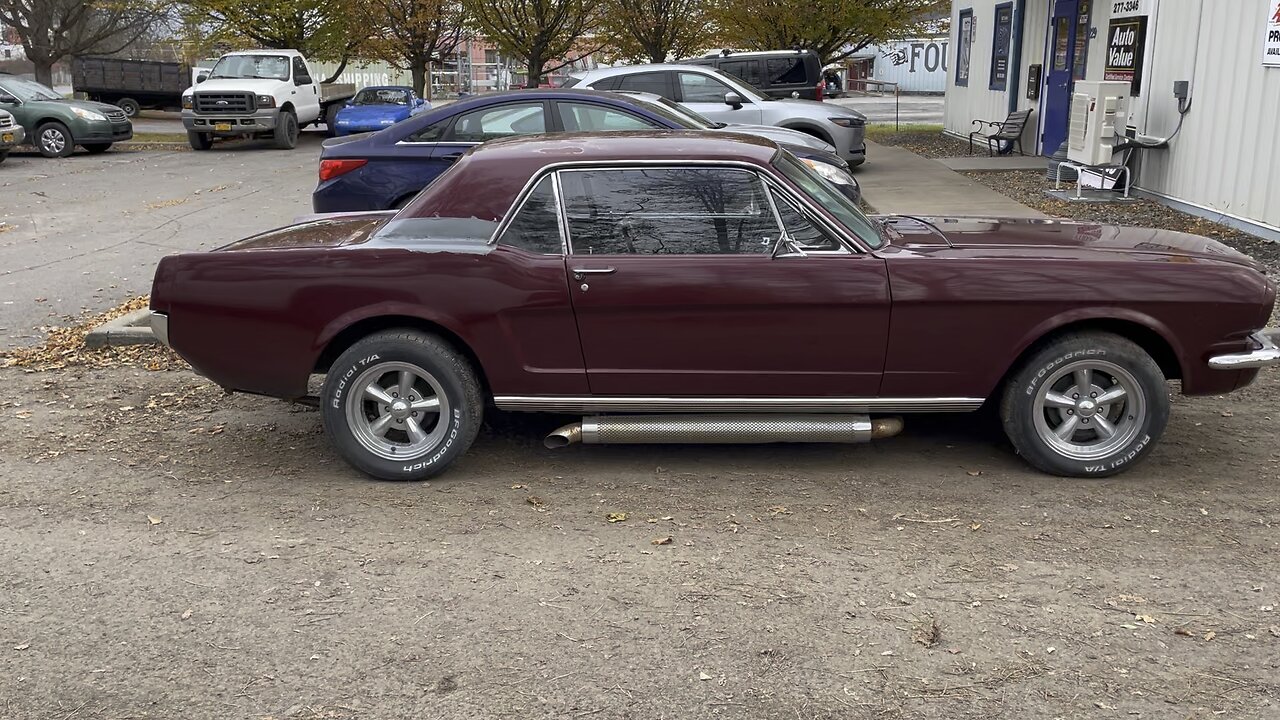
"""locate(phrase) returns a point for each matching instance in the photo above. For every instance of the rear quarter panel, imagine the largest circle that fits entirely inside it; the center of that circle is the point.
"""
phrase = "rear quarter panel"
(962, 317)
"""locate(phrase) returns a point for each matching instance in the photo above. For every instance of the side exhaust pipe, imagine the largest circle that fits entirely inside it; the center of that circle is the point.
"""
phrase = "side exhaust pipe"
(711, 429)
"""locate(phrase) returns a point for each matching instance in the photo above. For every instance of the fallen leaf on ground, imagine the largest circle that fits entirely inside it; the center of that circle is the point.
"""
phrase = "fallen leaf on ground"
(1275, 630)
(704, 676)
(534, 500)
(23, 646)
(154, 520)
(518, 487)
(976, 526)
(974, 473)
(1184, 632)
(1145, 618)
(1210, 635)
(186, 614)
(662, 540)
(615, 517)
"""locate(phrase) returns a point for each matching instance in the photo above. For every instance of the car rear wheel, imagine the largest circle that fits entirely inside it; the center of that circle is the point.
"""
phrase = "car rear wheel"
(286, 132)
(401, 405)
(130, 107)
(97, 148)
(1086, 405)
(53, 140)
(199, 140)
(331, 120)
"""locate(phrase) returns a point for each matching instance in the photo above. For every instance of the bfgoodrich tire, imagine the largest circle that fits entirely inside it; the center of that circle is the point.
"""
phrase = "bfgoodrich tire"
(199, 140)
(401, 405)
(285, 136)
(1088, 404)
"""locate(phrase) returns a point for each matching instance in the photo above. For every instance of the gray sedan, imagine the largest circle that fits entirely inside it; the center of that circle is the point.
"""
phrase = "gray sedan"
(724, 98)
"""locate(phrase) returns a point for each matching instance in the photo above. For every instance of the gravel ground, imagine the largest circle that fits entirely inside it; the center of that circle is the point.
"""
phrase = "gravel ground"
(928, 143)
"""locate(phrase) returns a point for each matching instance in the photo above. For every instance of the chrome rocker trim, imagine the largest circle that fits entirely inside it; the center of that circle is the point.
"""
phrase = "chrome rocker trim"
(1267, 354)
(570, 404)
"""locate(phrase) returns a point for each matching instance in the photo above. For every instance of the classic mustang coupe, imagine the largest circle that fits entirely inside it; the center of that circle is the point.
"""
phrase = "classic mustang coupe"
(710, 288)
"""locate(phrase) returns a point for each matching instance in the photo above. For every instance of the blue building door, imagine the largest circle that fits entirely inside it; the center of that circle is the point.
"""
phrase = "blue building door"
(1068, 49)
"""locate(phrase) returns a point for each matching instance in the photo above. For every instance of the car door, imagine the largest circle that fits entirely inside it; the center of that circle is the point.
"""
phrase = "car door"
(306, 93)
(574, 116)
(704, 94)
(677, 291)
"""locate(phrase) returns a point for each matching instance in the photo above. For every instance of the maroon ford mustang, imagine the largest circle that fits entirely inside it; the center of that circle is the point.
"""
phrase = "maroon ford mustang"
(710, 288)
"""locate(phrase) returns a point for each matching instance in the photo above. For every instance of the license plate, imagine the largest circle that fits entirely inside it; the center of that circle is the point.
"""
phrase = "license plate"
(222, 127)
(7, 137)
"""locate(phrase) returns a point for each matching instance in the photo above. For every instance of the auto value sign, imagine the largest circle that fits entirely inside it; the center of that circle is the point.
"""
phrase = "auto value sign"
(1271, 46)
(1126, 42)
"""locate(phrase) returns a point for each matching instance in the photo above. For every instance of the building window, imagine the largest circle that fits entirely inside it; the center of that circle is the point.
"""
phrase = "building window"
(964, 46)
(1000, 47)
(490, 56)
(1081, 59)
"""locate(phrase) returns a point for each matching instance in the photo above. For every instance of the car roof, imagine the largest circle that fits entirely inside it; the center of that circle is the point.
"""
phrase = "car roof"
(486, 180)
(647, 67)
(263, 51)
(747, 53)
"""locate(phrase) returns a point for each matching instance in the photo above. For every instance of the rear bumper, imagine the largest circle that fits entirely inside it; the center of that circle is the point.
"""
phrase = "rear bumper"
(261, 121)
(1266, 354)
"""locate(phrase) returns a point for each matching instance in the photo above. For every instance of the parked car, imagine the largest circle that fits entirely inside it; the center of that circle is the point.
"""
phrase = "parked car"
(775, 73)
(131, 85)
(56, 125)
(721, 97)
(717, 290)
(385, 170)
(11, 134)
(374, 108)
(260, 93)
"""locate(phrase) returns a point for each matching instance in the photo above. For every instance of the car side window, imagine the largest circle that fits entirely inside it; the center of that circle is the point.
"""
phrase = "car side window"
(785, 71)
(535, 228)
(667, 211)
(591, 118)
(747, 70)
(800, 228)
(498, 122)
(431, 133)
(696, 87)
(650, 82)
(300, 74)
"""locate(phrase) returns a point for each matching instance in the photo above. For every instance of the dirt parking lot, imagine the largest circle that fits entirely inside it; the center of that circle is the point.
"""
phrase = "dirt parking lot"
(171, 552)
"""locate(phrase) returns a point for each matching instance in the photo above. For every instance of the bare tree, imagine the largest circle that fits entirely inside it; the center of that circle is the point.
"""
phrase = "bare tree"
(51, 30)
(537, 31)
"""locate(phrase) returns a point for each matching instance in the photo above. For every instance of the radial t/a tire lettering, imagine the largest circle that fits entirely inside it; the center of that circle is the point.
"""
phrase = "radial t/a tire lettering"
(1088, 404)
(401, 405)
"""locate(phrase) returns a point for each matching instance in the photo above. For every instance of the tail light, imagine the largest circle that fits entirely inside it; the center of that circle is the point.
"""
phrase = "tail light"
(330, 169)
(817, 94)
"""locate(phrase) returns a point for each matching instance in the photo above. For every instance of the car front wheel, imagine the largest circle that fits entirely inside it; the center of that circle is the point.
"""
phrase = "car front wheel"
(54, 140)
(401, 405)
(1086, 405)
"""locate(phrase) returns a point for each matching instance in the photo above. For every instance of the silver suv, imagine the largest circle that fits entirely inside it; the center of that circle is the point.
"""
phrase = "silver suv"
(724, 98)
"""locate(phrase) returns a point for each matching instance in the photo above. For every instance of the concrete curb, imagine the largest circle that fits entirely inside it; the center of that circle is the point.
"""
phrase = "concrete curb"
(131, 329)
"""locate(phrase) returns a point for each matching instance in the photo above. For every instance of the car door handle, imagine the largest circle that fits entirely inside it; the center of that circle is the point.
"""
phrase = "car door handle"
(579, 273)
(451, 156)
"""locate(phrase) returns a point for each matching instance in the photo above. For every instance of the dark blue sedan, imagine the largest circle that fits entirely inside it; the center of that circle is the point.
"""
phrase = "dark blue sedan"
(385, 169)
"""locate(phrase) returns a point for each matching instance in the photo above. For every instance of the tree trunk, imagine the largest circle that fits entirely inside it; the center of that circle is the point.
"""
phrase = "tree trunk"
(418, 68)
(44, 71)
(341, 66)
(534, 71)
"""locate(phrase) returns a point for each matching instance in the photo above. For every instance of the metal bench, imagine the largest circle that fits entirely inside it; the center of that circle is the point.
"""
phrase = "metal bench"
(1009, 131)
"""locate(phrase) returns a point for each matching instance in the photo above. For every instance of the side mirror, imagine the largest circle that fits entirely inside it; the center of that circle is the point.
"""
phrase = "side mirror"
(733, 99)
(202, 77)
(420, 102)
(7, 99)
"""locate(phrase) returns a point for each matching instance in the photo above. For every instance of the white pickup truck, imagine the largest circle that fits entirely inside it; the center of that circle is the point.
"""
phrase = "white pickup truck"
(265, 93)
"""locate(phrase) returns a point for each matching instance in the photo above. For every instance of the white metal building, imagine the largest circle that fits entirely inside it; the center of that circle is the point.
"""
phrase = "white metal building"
(914, 65)
(1223, 162)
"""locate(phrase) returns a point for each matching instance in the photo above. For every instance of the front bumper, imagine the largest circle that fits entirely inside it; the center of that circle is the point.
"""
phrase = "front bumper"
(101, 131)
(261, 121)
(1266, 355)
(12, 136)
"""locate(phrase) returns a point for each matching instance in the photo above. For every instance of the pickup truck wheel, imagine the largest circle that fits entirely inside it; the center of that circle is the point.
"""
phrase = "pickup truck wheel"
(286, 132)
(401, 405)
(129, 106)
(331, 120)
(54, 140)
(1086, 405)
(199, 140)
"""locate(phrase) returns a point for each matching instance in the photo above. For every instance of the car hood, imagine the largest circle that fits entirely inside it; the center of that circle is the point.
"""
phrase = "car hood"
(85, 104)
(315, 231)
(1039, 236)
(257, 86)
(372, 113)
(811, 109)
(782, 135)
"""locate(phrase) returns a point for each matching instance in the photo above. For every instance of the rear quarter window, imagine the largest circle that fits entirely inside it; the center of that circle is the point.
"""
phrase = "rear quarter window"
(786, 71)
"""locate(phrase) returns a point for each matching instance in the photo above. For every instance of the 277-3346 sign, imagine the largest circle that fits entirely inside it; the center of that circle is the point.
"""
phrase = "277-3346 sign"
(1271, 45)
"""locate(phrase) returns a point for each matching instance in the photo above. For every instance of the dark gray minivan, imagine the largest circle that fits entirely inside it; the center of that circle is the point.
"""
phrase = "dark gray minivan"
(777, 73)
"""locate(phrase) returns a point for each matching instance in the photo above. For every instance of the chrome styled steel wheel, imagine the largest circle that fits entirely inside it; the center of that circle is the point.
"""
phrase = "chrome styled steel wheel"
(398, 411)
(1089, 409)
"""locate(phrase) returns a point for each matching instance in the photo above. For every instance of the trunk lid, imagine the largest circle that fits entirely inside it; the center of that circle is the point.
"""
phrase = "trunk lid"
(316, 231)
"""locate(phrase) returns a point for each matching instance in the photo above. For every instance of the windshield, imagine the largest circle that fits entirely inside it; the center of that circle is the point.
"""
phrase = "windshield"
(381, 96)
(260, 67)
(28, 90)
(826, 196)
